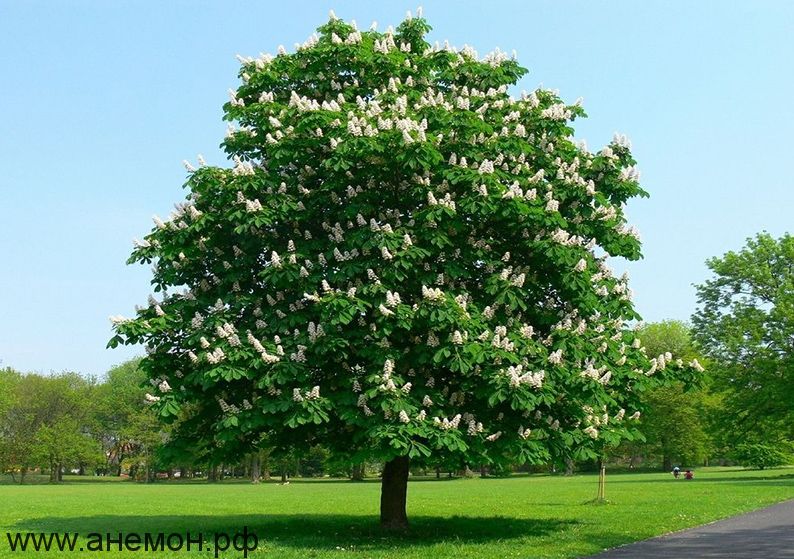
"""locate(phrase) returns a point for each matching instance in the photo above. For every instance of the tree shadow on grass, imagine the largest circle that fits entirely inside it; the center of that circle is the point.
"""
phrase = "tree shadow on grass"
(310, 531)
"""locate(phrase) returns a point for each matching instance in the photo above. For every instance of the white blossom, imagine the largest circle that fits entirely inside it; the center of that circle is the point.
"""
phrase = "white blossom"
(696, 365)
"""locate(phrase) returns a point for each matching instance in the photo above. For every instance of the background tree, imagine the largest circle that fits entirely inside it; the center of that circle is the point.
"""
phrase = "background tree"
(13, 443)
(745, 323)
(763, 456)
(404, 261)
(676, 418)
(64, 444)
(131, 433)
(48, 421)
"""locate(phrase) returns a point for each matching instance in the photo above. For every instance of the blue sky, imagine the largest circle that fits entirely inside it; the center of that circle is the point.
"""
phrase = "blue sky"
(101, 101)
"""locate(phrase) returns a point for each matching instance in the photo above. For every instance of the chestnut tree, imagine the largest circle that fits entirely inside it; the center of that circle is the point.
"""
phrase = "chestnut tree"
(404, 262)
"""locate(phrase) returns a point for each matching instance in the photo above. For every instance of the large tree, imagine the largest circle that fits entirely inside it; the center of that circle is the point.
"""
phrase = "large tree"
(405, 260)
(745, 323)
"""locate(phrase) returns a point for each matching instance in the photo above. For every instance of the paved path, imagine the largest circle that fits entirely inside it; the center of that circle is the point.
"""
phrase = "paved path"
(765, 533)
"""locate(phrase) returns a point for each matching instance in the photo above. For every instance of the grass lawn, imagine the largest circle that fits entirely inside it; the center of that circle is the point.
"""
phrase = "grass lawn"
(534, 516)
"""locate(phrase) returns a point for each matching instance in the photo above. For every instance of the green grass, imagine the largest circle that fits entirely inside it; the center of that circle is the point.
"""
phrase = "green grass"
(526, 516)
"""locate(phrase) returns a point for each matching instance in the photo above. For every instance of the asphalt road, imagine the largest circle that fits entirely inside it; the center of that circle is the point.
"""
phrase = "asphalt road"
(765, 533)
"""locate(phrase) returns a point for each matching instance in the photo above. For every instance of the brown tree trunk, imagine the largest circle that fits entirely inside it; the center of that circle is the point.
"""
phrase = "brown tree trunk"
(357, 472)
(393, 492)
(255, 469)
(602, 475)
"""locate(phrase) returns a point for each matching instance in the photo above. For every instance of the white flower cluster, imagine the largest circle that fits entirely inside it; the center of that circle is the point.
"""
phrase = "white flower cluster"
(518, 377)
(446, 201)
(242, 167)
(312, 394)
(216, 356)
(257, 345)
(555, 357)
(387, 382)
(447, 424)
(432, 294)
(599, 374)
(696, 365)
(557, 111)
(474, 427)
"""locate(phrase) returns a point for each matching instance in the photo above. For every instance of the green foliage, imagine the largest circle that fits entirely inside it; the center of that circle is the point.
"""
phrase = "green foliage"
(676, 420)
(131, 432)
(671, 336)
(763, 455)
(745, 323)
(47, 421)
(404, 260)
(674, 426)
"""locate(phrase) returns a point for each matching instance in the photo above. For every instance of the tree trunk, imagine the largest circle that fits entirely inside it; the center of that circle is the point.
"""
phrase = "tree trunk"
(255, 469)
(393, 492)
(357, 472)
(569, 466)
(466, 472)
(602, 480)
(483, 471)
(438, 472)
(22, 472)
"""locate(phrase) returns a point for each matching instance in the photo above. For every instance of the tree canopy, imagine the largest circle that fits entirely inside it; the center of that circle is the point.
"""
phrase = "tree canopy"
(405, 260)
(745, 323)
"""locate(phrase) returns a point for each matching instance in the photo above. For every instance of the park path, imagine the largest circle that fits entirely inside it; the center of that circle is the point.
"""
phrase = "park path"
(764, 533)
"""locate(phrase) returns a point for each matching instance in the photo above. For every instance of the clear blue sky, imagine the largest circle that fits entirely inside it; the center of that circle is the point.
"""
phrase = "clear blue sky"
(100, 102)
